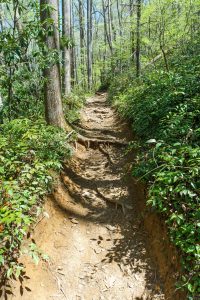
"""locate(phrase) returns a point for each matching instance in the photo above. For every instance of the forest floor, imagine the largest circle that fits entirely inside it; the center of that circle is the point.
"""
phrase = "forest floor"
(91, 229)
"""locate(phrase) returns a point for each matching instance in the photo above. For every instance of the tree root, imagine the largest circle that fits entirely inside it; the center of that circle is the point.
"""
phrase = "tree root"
(95, 142)
(106, 154)
(87, 133)
(113, 201)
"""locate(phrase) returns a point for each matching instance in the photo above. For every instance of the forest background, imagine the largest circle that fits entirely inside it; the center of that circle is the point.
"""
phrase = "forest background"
(146, 54)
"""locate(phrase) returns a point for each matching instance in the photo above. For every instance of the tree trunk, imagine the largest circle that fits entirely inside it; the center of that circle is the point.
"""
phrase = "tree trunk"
(137, 52)
(132, 33)
(74, 64)
(106, 30)
(110, 24)
(66, 31)
(119, 19)
(89, 43)
(52, 88)
(82, 37)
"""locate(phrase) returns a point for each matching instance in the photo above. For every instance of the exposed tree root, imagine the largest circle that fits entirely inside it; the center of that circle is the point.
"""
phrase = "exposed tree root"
(106, 154)
(87, 133)
(95, 142)
(113, 201)
(100, 94)
(80, 127)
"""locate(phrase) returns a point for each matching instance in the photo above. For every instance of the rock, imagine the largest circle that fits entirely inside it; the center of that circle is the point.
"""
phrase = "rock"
(73, 220)
(110, 227)
(110, 281)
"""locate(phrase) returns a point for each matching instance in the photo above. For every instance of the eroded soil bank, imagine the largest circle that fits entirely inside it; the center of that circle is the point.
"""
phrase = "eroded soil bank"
(92, 228)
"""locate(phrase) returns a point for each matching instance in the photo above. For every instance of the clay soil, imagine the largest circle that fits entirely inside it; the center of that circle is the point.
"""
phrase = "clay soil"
(92, 227)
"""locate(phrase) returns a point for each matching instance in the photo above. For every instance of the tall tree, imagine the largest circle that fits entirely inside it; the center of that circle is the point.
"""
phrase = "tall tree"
(137, 52)
(132, 33)
(89, 43)
(66, 31)
(52, 89)
(106, 26)
(110, 23)
(82, 38)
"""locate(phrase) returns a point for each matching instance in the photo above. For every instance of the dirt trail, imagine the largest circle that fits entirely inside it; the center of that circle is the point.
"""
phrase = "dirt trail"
(97, 247)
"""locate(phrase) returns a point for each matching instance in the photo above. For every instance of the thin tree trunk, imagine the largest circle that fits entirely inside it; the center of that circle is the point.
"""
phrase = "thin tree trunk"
(132, 33)
(82, 37)
(119, 19)
(106, 30)
(74, 66)
(137, 54)
(66, 30)
(110, 24)
(89, 43)
(1, 18)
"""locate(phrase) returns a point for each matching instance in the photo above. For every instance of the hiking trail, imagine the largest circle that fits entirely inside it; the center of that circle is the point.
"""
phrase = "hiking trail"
(91, 229)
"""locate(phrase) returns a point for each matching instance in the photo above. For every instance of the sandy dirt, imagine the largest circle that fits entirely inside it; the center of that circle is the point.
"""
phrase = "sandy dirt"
(91, 229)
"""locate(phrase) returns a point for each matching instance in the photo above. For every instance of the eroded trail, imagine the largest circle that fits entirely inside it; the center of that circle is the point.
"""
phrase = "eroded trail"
(91, 229)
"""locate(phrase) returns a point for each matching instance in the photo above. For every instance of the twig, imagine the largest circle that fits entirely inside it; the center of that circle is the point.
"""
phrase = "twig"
(38, 222)
(70, 133)
(151, 172)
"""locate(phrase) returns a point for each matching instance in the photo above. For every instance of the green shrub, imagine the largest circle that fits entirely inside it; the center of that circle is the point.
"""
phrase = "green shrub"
(27, 152)
(164, 109)
(72, 105)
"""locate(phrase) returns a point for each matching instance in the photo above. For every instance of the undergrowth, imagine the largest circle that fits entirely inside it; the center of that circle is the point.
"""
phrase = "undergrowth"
(164, 109)
(28, 150)
(72, 105)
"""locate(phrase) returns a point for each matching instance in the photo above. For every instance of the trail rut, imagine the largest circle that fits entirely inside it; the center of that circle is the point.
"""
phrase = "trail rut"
(92, 230)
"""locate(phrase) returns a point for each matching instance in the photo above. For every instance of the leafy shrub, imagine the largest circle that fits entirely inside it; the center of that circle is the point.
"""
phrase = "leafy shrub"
(72, 105)
(158, 94)
(27, 152)
(165, 107)
(174, 189)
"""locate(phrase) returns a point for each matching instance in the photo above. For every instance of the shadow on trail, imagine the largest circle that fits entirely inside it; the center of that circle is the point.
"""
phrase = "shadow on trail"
(128, 250)
(93, 170)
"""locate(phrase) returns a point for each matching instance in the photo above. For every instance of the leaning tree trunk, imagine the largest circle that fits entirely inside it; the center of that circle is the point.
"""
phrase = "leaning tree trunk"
(66, 31)
(52, 88)
(110, 24)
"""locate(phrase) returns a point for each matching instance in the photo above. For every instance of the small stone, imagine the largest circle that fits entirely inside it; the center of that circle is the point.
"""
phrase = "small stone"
(46, 215)
(73, 220)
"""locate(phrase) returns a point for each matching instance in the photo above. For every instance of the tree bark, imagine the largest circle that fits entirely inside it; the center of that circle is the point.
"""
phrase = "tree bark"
(132, 33)
(137, 52)
(89, 43)
(66, 31)
(52, 88)
(106, 30)
(82, 39)
(110, 24)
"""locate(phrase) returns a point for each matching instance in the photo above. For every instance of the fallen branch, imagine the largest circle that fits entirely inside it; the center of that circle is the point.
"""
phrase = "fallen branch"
(70, 133)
